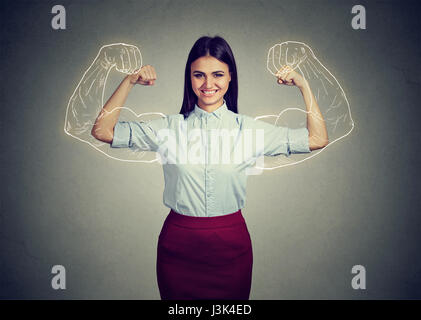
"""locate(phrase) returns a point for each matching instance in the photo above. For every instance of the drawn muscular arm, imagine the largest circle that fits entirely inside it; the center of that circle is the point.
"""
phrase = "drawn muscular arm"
(90, 120)
(294, 63)
(87, 99)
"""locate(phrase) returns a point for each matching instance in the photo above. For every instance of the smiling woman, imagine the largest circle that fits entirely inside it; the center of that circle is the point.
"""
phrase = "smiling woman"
(204, 248)
(210, 76)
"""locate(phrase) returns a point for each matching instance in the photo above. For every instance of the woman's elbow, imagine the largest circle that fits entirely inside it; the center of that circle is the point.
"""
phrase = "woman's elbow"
(316, 143)
(101, 135)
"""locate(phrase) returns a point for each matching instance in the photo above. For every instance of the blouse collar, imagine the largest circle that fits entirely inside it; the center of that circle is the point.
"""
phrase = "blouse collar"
(218, 112)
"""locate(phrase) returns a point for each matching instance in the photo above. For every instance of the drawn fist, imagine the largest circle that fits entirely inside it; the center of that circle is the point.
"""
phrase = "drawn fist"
(125, 58)
(289, 53)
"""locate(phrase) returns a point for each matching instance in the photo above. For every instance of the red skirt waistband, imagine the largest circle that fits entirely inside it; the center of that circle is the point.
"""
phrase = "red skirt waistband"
(222, 221)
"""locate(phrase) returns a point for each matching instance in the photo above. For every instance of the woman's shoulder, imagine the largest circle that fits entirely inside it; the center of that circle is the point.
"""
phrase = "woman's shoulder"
(171, 118)
(175, 116)
(240, 117)
(247, 121)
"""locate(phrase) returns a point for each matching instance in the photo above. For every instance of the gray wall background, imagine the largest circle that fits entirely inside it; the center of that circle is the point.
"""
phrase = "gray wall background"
(64, 203)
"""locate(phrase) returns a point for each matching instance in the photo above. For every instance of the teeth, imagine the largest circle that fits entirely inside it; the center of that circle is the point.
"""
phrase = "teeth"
(209, 92)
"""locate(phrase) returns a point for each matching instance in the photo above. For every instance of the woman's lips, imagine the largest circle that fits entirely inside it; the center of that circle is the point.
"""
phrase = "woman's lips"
(208, 93)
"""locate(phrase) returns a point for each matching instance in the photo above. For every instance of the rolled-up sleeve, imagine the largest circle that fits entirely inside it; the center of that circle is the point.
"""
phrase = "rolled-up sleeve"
(298, 140)
(122, 135)
(281, 140)
(138, 135)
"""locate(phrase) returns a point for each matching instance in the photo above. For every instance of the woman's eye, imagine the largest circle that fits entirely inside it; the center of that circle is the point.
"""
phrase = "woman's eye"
(201, 75)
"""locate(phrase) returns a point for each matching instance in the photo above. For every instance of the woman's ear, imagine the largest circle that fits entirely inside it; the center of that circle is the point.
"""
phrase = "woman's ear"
(230, 77)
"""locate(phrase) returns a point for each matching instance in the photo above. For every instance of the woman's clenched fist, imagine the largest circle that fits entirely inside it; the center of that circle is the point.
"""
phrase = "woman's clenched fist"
(286, 75)
(145, 76)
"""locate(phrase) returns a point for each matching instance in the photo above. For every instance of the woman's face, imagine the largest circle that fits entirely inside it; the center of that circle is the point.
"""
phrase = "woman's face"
(210, 80)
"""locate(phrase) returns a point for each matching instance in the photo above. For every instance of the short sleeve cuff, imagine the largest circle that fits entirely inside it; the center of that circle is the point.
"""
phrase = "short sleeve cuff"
(298, 140)
(122, 135)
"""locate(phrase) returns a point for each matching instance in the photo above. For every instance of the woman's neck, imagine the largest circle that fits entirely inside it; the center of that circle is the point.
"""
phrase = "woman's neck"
(211, 108)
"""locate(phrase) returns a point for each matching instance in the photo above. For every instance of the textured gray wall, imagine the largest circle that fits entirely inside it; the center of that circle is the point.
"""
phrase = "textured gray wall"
(357, 203)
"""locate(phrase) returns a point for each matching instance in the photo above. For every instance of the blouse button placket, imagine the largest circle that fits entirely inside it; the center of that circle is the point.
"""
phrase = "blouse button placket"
(208, 171)
(207, 189)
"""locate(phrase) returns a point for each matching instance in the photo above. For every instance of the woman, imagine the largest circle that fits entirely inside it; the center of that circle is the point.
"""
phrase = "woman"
(204, 248)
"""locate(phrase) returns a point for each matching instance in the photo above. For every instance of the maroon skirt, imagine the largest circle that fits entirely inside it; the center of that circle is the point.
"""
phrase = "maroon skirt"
(204, 258)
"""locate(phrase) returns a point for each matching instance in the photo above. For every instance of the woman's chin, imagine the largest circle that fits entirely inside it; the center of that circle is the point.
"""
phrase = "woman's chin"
(210, 101)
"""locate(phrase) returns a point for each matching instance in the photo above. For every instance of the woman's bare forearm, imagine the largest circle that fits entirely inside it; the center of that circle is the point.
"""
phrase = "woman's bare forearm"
(103, 128)
(317, 132)
(316, 125)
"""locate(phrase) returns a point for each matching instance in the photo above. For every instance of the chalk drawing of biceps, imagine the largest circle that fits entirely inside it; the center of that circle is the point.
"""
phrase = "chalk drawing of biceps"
(87, 101)
(329, 94)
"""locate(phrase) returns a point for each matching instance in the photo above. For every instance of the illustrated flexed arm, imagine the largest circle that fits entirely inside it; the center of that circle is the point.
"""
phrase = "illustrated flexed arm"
(329, 94)
(87, 100)
(328, 111)
(88, 97)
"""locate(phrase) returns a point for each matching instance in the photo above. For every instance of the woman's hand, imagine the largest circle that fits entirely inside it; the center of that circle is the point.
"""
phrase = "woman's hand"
(145, 76)
(289, 77)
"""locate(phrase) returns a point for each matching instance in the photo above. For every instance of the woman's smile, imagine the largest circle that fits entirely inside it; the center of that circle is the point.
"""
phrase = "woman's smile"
(208, 93)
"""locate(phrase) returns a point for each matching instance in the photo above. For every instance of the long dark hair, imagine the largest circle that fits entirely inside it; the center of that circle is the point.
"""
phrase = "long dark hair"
(218, 48)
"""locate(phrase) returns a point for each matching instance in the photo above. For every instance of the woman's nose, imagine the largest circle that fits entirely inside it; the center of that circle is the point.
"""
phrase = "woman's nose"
(209, 83)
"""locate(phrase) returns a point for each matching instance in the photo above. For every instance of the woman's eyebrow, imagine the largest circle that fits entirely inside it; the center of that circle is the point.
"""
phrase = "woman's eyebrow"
(219, 71)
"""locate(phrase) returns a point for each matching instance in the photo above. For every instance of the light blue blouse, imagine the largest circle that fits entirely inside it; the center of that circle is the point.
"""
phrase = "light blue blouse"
(199, 181)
